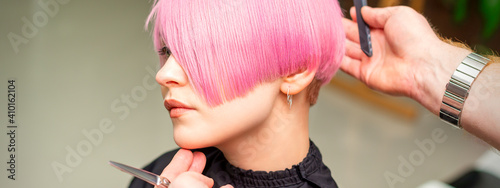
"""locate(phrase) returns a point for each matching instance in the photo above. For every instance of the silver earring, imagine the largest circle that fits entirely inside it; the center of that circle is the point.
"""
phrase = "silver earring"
(289, 98)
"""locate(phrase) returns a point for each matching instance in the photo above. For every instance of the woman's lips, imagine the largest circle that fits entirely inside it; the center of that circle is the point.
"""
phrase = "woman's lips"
(178, 112)
(176, 108)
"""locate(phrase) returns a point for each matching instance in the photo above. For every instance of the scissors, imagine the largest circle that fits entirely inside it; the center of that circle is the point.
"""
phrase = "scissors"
(149, 177)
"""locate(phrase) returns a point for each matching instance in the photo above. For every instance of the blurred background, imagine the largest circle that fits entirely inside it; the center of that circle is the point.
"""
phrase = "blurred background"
(86, 94)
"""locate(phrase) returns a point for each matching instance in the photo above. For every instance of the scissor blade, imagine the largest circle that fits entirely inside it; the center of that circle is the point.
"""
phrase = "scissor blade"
(141, 174)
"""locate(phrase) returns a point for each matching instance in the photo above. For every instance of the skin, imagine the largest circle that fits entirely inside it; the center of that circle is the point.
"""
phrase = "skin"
(258, 131)
(410, 60)
(185, 170)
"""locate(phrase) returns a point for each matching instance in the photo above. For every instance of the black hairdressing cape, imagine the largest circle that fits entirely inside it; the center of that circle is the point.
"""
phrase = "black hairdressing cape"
(311, 172)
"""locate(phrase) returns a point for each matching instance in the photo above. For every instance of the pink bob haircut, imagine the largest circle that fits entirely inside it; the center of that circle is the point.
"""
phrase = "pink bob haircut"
(227, 47)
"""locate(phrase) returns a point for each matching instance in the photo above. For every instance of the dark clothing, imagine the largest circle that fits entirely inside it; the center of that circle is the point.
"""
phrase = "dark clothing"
(311, 172)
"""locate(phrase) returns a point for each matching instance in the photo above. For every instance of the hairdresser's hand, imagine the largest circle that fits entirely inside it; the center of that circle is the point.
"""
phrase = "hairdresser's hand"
(185, 170)
(408, 58)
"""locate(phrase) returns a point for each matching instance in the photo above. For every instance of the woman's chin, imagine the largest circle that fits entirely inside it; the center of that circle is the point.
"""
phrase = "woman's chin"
(191, 142)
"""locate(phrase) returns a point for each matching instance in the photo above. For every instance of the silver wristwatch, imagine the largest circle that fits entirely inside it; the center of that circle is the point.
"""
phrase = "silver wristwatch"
(457, 89)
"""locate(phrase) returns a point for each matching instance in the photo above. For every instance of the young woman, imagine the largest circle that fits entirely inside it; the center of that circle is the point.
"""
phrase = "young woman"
(238, 78)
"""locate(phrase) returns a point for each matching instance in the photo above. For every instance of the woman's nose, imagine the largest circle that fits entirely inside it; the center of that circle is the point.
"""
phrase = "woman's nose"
(171, 74)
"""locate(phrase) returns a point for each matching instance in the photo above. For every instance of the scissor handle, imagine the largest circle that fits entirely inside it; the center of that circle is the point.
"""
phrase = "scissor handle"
(163, 182)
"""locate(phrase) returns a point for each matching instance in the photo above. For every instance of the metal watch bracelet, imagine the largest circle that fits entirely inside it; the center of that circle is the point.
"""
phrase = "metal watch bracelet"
(458, 88)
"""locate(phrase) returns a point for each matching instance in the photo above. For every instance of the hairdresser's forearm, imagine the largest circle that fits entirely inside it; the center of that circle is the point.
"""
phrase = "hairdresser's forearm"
(481, 111)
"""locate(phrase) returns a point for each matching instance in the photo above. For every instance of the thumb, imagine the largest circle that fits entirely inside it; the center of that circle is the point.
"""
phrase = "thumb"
(377, 17)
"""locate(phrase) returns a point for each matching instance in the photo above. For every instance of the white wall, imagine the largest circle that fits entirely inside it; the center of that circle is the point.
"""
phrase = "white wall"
(87, 56)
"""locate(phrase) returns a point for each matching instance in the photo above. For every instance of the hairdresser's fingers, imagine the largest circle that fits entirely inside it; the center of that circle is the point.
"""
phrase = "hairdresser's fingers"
(192, 180)
(353, 50)
(351, 66)
(199, 161)
(351, 30)
(352, 12)
(377, 17)
(180, 163)
(227, 186)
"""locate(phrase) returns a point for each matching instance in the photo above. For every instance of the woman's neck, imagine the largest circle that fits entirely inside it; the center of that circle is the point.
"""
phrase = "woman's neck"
(279, 143)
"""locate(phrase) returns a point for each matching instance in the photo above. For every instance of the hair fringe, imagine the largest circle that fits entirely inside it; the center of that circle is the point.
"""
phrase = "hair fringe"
(226, 48)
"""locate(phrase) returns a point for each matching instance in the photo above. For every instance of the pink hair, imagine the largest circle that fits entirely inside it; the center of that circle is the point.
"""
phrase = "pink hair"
(226, 47)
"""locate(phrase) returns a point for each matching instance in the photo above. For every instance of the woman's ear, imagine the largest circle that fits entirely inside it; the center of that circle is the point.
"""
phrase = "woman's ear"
(297, 82)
